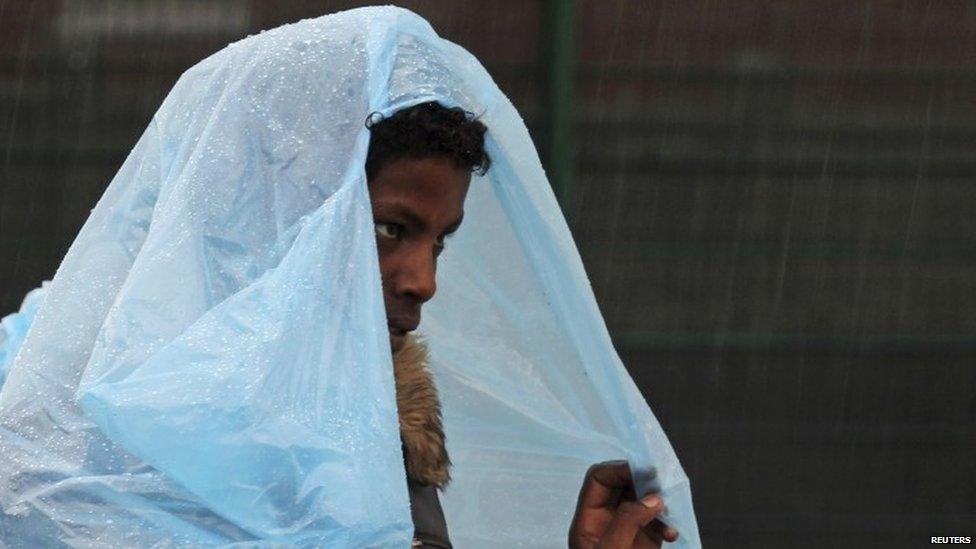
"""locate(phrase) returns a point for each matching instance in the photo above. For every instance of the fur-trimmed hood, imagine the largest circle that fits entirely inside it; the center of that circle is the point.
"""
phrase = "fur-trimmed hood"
(419, 409)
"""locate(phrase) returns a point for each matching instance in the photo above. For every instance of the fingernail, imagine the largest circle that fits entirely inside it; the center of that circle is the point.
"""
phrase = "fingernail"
(652, 501)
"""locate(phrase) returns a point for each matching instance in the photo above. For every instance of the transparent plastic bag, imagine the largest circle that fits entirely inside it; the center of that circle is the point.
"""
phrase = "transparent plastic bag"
(211, 364)
(13, 328)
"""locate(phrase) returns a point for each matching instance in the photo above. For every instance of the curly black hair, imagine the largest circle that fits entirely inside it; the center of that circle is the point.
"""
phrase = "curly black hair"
(427, 129)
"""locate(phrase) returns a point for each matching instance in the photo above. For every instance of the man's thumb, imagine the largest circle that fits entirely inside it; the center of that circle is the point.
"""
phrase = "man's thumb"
(628, 519)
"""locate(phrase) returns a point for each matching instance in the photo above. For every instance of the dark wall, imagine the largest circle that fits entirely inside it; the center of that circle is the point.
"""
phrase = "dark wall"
(773, 201)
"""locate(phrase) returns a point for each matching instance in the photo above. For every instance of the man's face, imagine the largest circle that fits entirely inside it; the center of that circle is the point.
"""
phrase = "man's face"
(416, 204)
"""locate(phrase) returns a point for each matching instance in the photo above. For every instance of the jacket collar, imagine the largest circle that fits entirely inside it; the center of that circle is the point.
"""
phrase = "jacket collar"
(419, 410)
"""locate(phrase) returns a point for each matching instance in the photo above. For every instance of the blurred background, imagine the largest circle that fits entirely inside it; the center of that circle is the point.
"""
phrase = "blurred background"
(774, 202)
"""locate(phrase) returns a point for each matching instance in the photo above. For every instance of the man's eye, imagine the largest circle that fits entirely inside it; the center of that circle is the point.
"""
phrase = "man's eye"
(388, 230)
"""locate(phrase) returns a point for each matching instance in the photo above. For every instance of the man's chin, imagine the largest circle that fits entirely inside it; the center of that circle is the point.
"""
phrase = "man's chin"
(397, 341)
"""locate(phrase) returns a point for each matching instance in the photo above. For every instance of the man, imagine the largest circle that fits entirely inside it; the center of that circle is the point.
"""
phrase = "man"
(419, 169)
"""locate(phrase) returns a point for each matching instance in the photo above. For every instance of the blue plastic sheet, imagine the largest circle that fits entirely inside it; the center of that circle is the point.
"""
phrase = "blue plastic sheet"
(211, 366)
(13, 329)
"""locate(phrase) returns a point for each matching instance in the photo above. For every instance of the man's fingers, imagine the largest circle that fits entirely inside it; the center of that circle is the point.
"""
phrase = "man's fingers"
(630, 518)
(604, 483)
(660, 531)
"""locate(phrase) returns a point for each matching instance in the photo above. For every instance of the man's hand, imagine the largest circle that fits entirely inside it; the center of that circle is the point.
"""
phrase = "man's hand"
(609, 516)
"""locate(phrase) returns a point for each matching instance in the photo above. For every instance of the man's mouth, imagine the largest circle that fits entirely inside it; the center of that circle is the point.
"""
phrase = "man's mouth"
(400, 325)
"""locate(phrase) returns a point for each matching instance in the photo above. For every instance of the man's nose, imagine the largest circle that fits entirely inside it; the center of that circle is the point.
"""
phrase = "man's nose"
(417, 274)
